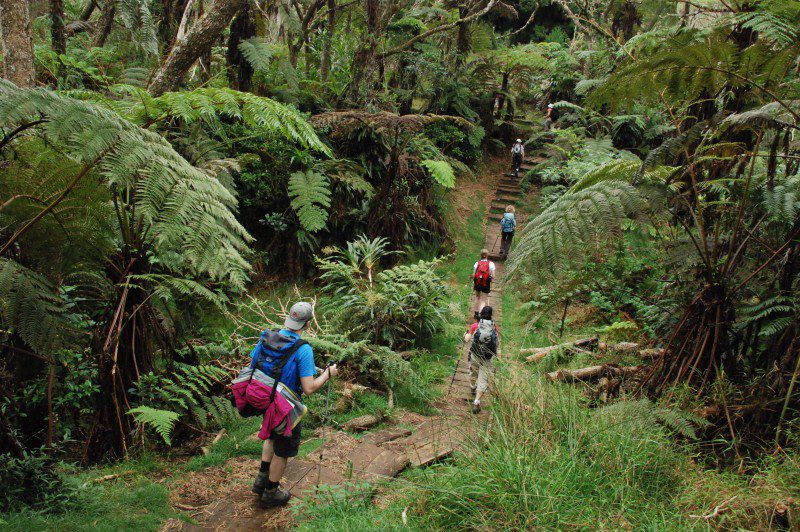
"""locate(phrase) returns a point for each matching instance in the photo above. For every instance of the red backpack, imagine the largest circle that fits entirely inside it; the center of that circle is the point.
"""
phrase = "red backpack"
(482, 273)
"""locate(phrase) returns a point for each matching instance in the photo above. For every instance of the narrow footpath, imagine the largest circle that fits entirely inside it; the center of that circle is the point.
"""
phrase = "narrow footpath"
(415, 441)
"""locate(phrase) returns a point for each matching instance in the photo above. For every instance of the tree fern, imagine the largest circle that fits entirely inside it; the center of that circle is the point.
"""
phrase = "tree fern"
(32, 308)
(575, 225)
(162, 421)
(211, 104)
(441, 171)
(259, 52)
(311, 197)
(136, 17)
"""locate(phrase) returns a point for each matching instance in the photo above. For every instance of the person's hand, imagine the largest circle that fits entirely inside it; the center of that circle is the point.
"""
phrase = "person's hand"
(333, 370)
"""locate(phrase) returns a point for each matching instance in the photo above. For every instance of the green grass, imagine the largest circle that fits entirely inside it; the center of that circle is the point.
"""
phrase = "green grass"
(134, 501)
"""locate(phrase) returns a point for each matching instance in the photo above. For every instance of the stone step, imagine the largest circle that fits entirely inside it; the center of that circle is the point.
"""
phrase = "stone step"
(506, 197)
(534, 160)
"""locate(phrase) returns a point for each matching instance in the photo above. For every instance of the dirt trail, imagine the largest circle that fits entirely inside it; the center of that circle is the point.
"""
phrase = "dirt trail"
(415, 441)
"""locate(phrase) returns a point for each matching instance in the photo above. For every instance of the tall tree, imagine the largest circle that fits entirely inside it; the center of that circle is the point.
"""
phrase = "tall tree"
(325, 66)
(15, 22)
(105, 23)
(194, 44)
(58, 32)
(240, 72)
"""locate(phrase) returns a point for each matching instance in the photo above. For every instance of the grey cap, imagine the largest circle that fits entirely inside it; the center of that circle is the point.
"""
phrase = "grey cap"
(299, 315)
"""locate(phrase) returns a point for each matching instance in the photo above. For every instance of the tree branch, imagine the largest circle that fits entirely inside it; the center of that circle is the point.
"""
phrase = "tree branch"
(444, 27)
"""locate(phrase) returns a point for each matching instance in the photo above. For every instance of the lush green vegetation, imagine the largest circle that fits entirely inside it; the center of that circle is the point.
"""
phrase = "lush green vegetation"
(174, 174)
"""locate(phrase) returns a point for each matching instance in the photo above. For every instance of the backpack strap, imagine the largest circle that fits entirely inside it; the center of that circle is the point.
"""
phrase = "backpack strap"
(278, 369)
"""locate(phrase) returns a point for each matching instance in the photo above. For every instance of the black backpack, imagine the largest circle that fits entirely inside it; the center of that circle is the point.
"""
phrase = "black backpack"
(554, 114)
(484, 341)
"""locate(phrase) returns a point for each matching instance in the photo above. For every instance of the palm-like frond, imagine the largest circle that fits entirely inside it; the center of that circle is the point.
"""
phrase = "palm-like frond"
(441, 171)
(575, 225)
(210, 104)
(32, 308)
(311, 197)
(183, 209)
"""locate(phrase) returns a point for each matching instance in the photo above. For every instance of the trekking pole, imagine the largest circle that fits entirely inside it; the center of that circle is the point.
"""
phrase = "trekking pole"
(324, 424)
(495, 242)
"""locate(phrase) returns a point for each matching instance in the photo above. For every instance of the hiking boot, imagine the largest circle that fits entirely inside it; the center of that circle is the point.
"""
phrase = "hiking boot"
(473, 389)
(476, 408)
(275, 497)
(261, 482)
(477, 315)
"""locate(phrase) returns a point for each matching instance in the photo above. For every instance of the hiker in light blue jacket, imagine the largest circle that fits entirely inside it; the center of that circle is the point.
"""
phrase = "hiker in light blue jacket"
(508, 225)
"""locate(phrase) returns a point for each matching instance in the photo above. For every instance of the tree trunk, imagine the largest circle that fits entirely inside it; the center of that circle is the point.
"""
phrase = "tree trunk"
(15, 21)
(58, 32)
(196, 43)
(325, 66)
(240, 72)
(363, 64)
(105, 23)
(86, 14)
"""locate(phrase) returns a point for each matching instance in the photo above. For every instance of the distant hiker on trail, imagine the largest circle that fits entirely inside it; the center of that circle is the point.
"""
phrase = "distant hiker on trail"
(517, 155)
(286, 348)
(552, 116)
(482, 275)
(507, 225)
(484, 348)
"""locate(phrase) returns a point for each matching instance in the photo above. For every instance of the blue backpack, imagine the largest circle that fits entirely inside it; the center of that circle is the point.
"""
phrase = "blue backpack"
(507, 224)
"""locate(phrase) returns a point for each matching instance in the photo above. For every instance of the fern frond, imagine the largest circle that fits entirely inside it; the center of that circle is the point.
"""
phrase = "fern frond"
(162, 421)
(311, 196)
(574, 225)
(441, 171)
(32, 308)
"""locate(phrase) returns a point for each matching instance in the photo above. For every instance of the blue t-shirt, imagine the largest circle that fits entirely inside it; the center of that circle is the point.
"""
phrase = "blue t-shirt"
(300, 365)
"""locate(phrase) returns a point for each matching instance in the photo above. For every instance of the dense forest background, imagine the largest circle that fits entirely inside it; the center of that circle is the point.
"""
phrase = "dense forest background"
(173, 172)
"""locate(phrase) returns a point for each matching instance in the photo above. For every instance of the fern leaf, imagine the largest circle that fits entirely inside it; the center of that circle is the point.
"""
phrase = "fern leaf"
(311, 196)
(162, 421)
(441, 171)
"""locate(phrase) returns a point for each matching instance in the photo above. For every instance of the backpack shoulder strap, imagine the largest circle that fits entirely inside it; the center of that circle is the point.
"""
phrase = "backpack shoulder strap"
(278, 369)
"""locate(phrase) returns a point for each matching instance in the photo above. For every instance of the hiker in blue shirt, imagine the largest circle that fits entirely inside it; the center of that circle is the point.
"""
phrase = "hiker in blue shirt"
(297, 375)
(508, 224)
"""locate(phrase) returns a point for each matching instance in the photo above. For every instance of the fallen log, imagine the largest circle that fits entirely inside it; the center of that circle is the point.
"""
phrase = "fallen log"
(632, 348)
(106, 478)
(591, 372)
(361, 423)
(538, 353)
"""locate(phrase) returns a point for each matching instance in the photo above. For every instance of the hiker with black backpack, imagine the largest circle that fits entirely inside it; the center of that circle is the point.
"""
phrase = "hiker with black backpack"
(484, 349)
(552, 116)
(517, 155)
(289, 360)
(507, 226)
(482, 275)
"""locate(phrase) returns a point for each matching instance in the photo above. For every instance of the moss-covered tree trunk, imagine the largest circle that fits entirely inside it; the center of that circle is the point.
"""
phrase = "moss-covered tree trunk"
(15, 22)
(197, 43)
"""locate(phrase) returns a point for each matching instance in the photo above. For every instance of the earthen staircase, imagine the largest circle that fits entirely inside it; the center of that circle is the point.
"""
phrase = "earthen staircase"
(381, 455)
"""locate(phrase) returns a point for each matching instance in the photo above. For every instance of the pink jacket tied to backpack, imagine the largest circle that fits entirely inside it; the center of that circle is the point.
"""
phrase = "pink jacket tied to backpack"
(253, 389)
(256, 394)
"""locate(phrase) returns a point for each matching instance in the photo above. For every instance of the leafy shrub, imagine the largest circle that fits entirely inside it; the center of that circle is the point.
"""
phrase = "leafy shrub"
(31, 481)
(390, 307)
(165, 399)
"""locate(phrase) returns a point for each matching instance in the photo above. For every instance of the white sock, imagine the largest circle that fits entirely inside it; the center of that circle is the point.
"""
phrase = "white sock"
(476, 402)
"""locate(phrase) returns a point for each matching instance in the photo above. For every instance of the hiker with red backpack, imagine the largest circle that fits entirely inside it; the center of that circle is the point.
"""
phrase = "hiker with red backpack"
(281, 357)
(482, 275)
(485, 347)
